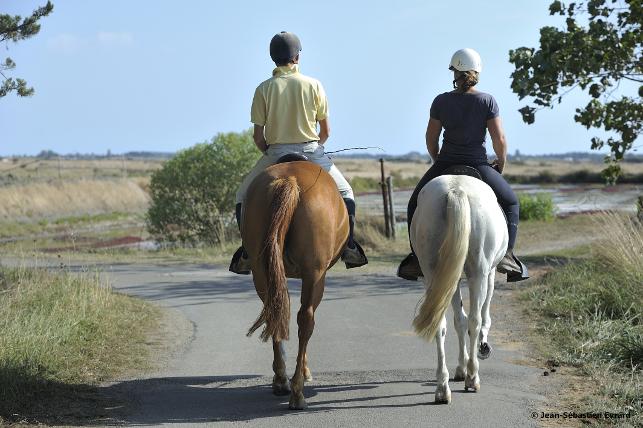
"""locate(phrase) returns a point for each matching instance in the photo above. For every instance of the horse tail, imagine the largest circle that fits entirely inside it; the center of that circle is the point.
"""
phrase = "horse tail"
(450, 263)
(276, 306)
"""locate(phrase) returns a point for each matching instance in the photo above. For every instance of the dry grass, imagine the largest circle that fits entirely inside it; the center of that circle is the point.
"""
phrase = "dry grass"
(588, 313)
(32, 169)
(61, 333)
(67, 198)
(370, 168)
(624, 247)
(530, 168)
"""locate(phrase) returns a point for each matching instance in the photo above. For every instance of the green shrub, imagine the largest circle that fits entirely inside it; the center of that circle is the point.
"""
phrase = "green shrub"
(365, 184)
(539, 206)
(193, 194)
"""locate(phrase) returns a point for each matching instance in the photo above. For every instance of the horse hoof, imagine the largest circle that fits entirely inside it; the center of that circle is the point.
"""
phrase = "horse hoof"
(471, 384)
(484, 351)
(443, 396)
(459, 374)
(308, 377)
(297, 403)
(280, 389)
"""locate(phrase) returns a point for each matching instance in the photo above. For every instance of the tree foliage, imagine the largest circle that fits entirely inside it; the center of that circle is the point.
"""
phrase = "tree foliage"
(14, 29)
(599, 48)
(193, 194)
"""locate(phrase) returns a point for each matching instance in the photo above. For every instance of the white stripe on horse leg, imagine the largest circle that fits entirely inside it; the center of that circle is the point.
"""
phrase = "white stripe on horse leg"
(460, 324)
(280, 384)
(442, 391)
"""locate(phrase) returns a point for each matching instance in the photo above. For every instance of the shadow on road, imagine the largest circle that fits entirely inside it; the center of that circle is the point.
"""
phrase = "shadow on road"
(245, 398)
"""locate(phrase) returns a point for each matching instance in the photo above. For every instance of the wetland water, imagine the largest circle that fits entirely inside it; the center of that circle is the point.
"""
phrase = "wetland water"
(568, 198)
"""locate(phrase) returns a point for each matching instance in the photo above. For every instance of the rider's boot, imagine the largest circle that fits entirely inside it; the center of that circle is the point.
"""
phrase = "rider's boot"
(513, 267)
(240, 261)
(410, 268)
(353, 255)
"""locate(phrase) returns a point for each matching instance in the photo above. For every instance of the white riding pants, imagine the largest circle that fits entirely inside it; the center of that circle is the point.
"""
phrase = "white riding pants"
(312, 150)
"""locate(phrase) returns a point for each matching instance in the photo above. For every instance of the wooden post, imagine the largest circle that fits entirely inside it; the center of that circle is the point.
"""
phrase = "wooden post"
(385, 200)
(391, 205)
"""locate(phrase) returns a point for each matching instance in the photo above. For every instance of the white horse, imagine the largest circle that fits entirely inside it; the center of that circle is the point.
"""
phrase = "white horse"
(458, 225)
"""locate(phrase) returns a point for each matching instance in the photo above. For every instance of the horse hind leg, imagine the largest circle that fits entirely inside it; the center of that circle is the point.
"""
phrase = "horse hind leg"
(280, 384)
(477, 294)
(311, 295)
(442, 391)
(485, 349)
(460, 324)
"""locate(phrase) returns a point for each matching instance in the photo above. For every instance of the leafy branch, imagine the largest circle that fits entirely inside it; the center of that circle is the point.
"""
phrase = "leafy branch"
(14, 29)
(595, 57)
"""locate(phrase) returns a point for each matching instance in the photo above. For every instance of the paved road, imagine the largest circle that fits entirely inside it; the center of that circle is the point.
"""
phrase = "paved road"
(368, 367)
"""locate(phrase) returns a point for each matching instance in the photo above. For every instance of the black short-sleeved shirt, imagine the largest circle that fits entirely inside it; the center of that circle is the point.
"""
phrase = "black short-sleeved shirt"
(464, 118)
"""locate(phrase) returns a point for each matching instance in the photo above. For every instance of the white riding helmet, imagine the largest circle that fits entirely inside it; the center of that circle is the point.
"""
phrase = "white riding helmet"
(466, 60)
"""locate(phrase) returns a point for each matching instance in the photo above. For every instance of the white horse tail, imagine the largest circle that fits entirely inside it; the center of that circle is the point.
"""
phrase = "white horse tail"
(451, 257)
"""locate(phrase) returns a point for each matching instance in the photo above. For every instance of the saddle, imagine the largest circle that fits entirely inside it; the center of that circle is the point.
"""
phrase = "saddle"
(292, 157)
(462, 170)
(472, 172)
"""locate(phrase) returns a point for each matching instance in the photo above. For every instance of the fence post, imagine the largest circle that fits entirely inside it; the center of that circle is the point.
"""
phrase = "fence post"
(385, 200)
(391, 205)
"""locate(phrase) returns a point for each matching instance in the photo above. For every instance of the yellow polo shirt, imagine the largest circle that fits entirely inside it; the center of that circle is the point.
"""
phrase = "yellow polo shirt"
(289, 105)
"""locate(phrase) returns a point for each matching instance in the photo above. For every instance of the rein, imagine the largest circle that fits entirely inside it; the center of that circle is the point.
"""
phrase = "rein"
(355, 148)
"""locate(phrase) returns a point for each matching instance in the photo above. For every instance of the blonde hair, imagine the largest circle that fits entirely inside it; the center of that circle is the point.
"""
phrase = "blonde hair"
(465, 79)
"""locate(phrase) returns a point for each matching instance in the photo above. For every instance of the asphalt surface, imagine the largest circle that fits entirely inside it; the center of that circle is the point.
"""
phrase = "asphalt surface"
(368, 367)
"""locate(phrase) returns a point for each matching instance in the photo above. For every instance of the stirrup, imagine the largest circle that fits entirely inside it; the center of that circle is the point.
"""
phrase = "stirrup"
(239, 263)
(515, 275)
(354, 257)
(518, 276)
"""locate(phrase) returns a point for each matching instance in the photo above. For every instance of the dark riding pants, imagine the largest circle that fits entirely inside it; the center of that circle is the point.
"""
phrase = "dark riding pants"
(506, 197)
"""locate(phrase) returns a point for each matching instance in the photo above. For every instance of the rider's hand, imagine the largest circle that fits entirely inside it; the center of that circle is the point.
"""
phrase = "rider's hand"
(497, 166)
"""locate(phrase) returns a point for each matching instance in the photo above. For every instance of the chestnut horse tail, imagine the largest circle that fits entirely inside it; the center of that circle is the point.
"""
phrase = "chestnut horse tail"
(276, 305)
(449, 266)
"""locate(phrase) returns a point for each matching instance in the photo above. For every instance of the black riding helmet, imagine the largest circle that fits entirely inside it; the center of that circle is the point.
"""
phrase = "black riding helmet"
(284, 47)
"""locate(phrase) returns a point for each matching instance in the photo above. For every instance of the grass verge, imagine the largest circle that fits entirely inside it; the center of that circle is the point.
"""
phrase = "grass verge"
(590, 318)
(61, 334)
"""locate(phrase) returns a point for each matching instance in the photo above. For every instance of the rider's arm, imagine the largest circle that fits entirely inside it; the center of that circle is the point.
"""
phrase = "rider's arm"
(324, 130)
(260, 139)
(499, 141)
(432, 136)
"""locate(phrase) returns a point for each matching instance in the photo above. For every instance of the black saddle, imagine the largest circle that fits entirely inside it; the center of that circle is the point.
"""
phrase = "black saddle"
(462, 170)
(292, 157)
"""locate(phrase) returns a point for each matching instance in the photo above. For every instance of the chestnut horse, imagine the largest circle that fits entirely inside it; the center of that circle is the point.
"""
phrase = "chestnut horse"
(295, 225)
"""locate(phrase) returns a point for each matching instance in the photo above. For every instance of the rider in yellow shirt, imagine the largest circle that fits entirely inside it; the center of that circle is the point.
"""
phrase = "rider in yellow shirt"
(286, 111)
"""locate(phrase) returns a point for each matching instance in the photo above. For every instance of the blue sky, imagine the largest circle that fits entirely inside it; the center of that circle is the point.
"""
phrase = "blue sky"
(162, 76)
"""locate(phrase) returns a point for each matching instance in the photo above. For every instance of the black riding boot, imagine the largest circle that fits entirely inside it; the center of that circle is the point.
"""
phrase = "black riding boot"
(409, 268)
(240, 263)
(353, 255)
(510, 264)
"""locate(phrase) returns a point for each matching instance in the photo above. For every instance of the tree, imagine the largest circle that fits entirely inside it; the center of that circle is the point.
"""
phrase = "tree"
(598, 50)
(193, 194)
(16, 28)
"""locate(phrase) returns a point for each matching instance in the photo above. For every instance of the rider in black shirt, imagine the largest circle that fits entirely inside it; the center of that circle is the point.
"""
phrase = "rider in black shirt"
(466, 114)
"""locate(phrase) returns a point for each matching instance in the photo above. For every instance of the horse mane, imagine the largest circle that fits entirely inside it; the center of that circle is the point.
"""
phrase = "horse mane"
(275, 314)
